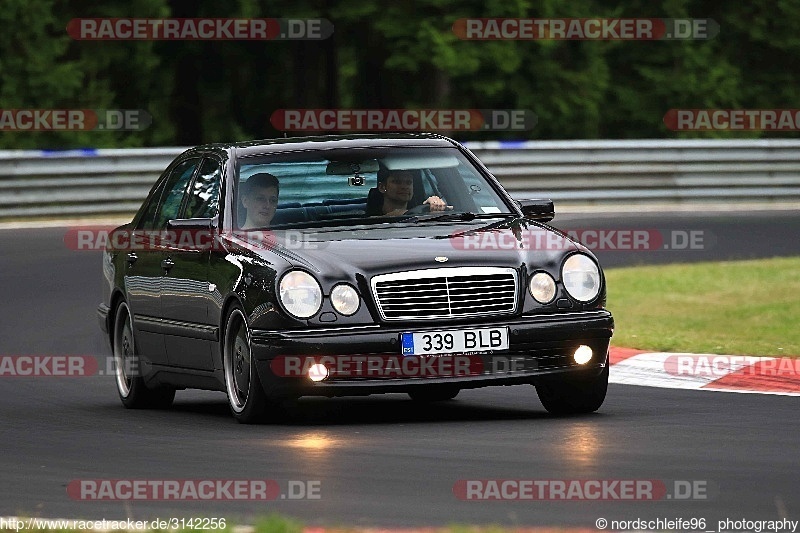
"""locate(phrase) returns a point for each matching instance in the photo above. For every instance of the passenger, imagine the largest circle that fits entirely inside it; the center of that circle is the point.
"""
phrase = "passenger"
(259, 196)
(396, 188)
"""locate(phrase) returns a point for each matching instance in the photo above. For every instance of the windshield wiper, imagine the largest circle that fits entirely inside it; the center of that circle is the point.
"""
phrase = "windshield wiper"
(463, 216)
(333, 223)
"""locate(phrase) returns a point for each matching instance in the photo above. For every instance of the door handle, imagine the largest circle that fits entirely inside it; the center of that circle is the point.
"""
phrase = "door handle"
(167, 263)
(131, 258)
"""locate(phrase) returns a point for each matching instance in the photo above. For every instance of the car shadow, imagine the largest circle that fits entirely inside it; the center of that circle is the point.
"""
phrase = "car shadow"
(377, 409)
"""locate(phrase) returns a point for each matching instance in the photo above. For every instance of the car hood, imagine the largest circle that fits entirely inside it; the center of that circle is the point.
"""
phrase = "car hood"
(339, 253)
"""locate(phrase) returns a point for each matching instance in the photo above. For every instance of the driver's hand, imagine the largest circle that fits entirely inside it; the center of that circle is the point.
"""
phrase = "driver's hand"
(437, 204)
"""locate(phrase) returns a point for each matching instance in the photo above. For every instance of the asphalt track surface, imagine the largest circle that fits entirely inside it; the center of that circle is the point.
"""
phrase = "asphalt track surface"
(384, 460)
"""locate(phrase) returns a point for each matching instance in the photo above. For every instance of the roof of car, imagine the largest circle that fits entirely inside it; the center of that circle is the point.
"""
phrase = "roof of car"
(324, 142)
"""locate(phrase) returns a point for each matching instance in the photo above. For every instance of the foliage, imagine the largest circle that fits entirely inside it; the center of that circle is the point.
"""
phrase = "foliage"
(392, 54)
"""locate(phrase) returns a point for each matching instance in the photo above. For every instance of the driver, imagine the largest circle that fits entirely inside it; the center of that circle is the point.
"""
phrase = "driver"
(260, 199)
(397, 189)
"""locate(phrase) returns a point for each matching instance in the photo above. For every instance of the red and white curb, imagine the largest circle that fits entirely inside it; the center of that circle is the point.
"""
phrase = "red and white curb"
(709, 372)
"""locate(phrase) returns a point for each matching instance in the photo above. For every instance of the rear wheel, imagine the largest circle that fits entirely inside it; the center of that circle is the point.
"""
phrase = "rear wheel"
(128, 368)
(434, 395)
(573, 394)
(246, 396)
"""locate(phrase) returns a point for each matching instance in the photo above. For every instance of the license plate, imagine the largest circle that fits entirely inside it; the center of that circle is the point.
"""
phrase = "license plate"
(454, 341)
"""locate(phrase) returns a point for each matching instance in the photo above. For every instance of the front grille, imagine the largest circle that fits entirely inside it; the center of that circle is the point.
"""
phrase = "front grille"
(446, 293)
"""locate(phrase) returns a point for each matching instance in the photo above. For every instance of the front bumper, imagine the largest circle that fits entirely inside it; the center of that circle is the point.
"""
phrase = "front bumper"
(538, 345)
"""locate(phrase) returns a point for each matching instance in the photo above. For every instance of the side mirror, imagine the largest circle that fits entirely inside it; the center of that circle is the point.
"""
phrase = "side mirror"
(540, 210)
(190, 234)
(192, 223)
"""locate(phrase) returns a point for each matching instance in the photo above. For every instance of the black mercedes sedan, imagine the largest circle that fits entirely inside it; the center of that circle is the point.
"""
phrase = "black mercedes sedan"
(348, 265)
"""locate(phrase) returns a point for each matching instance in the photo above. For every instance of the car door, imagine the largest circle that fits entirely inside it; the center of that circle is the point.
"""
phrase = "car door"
(145, 271)
(185, 292)
(142, 282)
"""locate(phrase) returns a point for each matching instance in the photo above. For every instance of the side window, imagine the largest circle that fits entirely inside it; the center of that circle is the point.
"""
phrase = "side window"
(149, 210)
(174, 191)
(204, 193)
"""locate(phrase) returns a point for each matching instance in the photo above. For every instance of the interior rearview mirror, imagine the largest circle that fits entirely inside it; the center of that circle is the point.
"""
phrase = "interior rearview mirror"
(349, 168)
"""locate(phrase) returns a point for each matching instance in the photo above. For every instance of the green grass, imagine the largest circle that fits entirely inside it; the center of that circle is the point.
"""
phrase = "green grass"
(737, 308)
(276, 523)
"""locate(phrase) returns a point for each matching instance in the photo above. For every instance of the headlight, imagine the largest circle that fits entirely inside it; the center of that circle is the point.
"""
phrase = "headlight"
(581, 277)
(300, 294)
(542, 287)
(344, 299)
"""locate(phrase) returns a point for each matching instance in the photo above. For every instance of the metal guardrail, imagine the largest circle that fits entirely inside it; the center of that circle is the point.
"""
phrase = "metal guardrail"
(115, 181)
(647, 171)
(35, 183)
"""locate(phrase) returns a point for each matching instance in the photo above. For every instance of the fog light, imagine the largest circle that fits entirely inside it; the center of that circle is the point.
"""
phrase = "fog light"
(318, 372)
(582, 355)
(542, 287)
(344, 299)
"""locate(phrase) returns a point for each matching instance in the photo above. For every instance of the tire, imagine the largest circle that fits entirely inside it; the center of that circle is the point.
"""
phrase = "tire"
(434, 394)
(128, 366)
(568, 395)
(246, 397)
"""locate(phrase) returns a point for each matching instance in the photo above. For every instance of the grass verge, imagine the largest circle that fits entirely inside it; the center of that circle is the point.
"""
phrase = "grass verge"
(736, 308)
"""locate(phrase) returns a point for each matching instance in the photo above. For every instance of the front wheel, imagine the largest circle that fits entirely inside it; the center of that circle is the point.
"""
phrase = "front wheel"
(246, 396)
(573, 394)
(128, 368)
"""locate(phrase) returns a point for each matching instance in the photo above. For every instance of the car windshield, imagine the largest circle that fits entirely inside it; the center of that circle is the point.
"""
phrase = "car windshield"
(353, 186)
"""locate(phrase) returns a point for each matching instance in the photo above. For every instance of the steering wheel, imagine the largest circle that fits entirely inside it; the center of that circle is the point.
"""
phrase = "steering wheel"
(419, 209)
